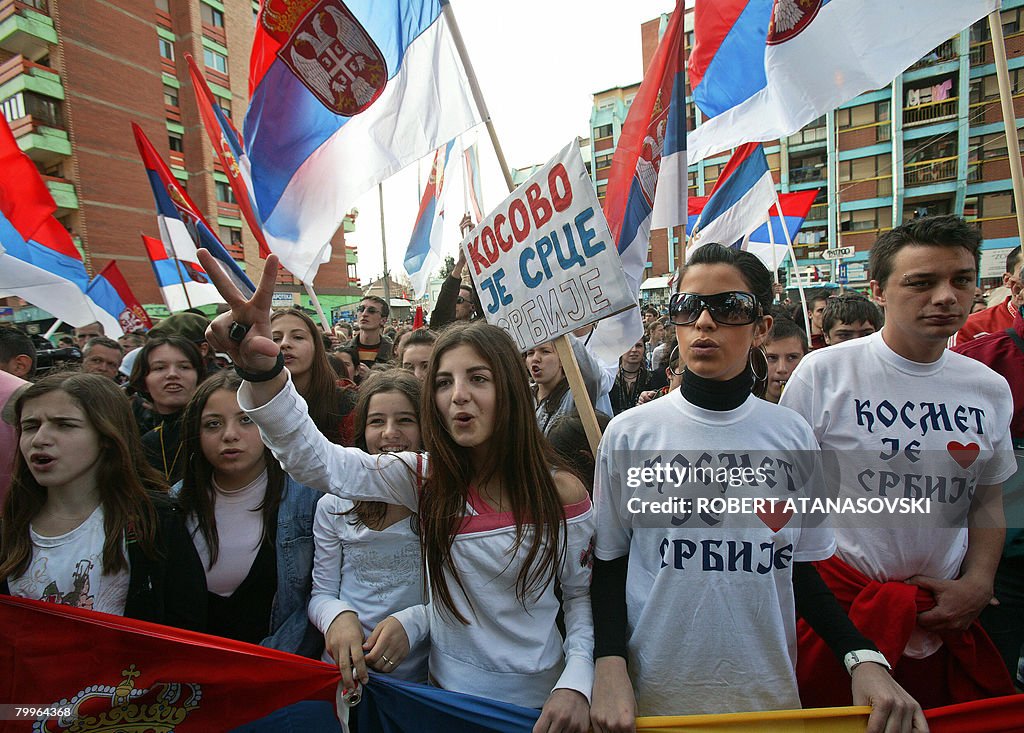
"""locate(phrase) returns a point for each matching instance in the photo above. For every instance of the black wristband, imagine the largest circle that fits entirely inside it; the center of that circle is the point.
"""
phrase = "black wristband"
(262, 376)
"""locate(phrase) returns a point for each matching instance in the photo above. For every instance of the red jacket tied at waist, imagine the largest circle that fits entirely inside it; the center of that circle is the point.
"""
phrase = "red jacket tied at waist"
(886, 613)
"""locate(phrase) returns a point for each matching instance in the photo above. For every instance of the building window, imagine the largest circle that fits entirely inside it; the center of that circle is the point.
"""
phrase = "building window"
(175, 143)
(603, 131)
(1011, 21)
(216, 61)
(858, 169)
(224, 193)
(43, 109)
(225, 105)
(353, 276)
(859, 221)
(603, 161)
(211, 16)
(170, 96)
(163, 5)
(166, 49)
(606, 103)
(992, 205)
(231, 236)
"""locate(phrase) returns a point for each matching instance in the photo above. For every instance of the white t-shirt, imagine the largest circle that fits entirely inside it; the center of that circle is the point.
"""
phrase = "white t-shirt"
(374, 573)
(712, 620)
(893, 428)
(68, 569)
(506, 652)
(239, 535)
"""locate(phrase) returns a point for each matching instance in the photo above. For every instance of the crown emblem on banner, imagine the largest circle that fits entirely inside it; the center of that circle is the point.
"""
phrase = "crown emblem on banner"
(123, 708)
(281, 16)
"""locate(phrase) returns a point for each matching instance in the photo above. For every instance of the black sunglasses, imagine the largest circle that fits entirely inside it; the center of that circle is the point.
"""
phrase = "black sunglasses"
(368, 309)
(460, 300)
(732, 308)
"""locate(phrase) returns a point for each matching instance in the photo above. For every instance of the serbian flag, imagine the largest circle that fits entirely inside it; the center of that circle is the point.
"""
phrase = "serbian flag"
(474, 190)
(738, 203)
(182, 228)
(38, 260)
(109, 290)
(424, 251)
(651, 153)
(227, 143)
(183, 283)
(141, 675)
(769, 246)
(343, 95)
(762, 69)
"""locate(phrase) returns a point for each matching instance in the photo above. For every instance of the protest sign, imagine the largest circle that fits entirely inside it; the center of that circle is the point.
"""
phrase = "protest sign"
(543, 261)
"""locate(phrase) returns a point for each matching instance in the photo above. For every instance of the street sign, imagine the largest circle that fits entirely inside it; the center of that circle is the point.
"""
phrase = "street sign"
(842, 278)
(838, 253)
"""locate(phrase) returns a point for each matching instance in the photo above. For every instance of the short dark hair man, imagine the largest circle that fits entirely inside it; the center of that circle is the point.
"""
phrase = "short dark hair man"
(848, 317)
(997, 317)
(17, 353)
(102, 356)
(899, 416)
(88, 331)
(815, 309)
(374, 347)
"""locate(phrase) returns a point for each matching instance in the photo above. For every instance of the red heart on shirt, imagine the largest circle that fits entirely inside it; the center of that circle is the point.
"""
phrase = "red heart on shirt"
(777, 518)
(965, 455)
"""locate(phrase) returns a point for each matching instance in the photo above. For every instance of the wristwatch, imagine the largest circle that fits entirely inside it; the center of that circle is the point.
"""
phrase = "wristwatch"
(860, 656)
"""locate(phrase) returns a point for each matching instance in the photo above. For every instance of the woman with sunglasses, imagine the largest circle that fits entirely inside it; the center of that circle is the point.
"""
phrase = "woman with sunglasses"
(703, 602)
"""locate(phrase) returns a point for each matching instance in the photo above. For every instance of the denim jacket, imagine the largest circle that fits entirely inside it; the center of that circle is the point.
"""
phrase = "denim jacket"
(290, 628)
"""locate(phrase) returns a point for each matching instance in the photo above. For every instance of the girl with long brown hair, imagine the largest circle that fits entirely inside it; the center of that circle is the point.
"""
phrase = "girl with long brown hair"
(251, 524)
(499, 527)
(87, 522)
(305, 358)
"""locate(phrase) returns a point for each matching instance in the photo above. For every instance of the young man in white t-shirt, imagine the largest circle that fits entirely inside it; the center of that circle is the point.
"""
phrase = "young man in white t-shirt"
(899, 417)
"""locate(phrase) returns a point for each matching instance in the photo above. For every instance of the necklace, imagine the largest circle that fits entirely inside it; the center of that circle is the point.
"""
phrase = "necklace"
(163, 455)
(633, 373)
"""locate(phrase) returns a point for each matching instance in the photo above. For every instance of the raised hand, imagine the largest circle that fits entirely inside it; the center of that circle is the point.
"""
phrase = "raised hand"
(256, 352)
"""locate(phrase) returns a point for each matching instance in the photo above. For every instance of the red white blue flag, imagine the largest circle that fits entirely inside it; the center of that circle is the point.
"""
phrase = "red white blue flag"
(38, 260)
(227, 144)
(109, 290)
(762, 69)
(183, 228)
(738, 203)
(650, 154)
(183, 283)
(424, 251)
(343, 95)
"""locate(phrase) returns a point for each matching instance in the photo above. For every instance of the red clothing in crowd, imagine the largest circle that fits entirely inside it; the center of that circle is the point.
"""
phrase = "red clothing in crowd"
(998, 351)
(993, 319)
(966, 667)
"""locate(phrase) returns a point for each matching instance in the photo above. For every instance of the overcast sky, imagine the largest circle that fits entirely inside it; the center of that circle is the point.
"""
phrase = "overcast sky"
(539, 64)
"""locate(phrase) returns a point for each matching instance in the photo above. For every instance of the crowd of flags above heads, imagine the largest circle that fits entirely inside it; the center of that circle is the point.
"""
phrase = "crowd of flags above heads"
(344, 94)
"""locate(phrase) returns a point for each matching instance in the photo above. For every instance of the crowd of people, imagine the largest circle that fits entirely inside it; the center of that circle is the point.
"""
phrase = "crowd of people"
(424, 503)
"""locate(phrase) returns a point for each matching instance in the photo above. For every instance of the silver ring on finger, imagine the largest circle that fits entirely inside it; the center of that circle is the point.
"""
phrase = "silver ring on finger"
(386, 660)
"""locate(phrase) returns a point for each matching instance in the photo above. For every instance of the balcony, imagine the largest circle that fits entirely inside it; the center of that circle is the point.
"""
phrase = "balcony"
(927, 172)
(26, 28)
(929, 112)
(944, 52)
(44, 143)
(18, 74)
(807, 173)
(63, 192)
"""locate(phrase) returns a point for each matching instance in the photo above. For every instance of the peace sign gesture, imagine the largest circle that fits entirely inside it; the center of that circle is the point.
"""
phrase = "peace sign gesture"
(254, 351)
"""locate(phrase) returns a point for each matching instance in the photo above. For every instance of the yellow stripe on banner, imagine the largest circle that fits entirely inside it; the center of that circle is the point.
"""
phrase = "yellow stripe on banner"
(815, 720)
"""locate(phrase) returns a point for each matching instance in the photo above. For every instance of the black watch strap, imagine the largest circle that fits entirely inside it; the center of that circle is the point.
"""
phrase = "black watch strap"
(262, 376)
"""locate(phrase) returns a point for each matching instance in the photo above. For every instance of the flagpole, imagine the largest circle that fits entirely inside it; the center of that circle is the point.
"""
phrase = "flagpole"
(384, 246)
(792, 258)
(177, 266)
(53, 329)
(563, 347)
(316, 304)
(474, 87)
(995, 26)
